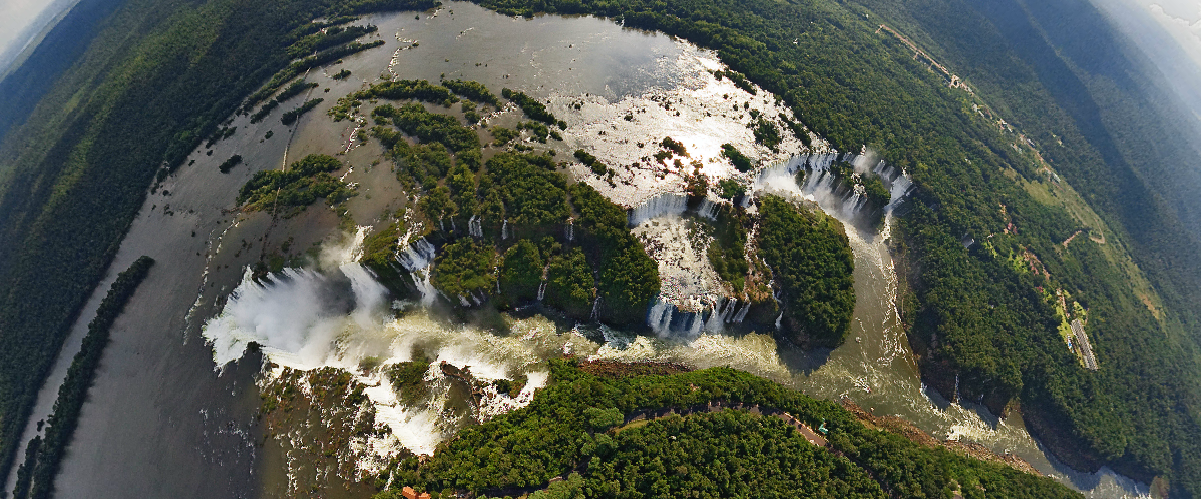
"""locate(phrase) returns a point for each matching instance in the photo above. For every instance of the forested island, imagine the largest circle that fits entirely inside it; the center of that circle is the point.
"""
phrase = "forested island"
(604, 432)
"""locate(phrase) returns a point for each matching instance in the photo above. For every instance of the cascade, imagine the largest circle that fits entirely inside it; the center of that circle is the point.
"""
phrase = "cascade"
(668, 203)
(475, 226)
(659, 316)
(708, 209)
(570, 232)
(834, 196)
(595, 304)
(541, 290)
(955, 392)
(714, 324)
(742, 314)
(504, 230)
(422, 279)
(417, 255)
(416, 258)
(727, 315)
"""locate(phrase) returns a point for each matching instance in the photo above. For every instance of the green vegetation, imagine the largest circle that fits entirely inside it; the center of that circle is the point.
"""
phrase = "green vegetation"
(739, 80)
(739, 160)
(94, 148)
(811, 258)
(521, 272)
(291, 116)
(532, 108)
(379, 250)
(334, 35)
(472, 90)
(972, 314)
(35, 477)
(156, 80)
(627, 279)
(730, 189)
(341, 75)
(521, 196)
(569, 285)
(766, 133)
(502, 136)
(797, 129)
(425, 163)
(230, 163)
(300, 185)
(414, 120)
(408, 378)
(675, 147)
(464, 270)
(539, 131)
(296, 88)
(598, 168)
(407, 89)
(573, 429)
(727, 252)
(298, 68)
(534, 195)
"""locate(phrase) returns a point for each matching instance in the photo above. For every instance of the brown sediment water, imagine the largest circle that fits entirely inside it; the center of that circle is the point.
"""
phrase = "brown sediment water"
(162, 421)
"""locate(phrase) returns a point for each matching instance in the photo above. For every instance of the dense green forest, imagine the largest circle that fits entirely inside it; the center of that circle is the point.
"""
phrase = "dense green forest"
(521, 202)
(983, 248)
(810, 257)
(295, 187)
(981, 316)
(159, 77)
(35, 477)
(583, 428)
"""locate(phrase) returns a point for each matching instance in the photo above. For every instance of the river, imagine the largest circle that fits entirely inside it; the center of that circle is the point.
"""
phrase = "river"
(161, 421)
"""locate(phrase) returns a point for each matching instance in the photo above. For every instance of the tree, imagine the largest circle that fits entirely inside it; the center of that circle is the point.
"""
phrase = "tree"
(521, 272)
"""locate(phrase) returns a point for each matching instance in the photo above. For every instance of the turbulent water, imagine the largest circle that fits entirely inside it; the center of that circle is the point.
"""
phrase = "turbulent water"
(311, 318)
(336, 315)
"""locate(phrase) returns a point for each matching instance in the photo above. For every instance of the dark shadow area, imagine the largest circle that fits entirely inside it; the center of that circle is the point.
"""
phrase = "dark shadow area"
(798, 360)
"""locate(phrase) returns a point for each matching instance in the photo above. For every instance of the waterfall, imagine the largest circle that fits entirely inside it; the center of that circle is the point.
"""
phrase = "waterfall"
(955, 392)
(666, 320)
(570, 232)
(416, 259)
(695, 325)
(541, 290)
(708, 209)
(727, 315)
(417, 255)
(595, 304)
(715, 323)
(422, 279)
(453, 228)
(504, 230)
(742, 313)
(475, 226)
(659, 317)
(837, 197)
(668, 203)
